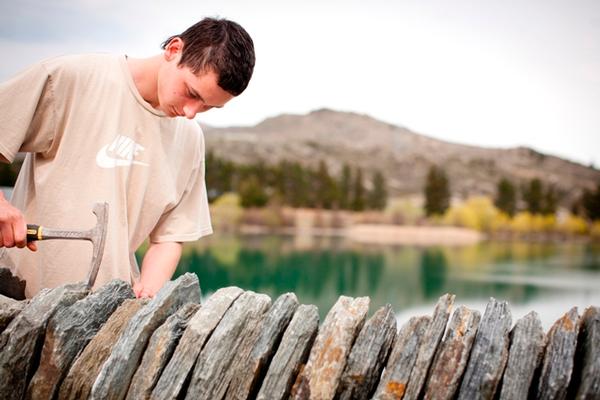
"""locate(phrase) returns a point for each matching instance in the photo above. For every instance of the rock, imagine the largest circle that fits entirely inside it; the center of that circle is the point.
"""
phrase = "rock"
(82, 374)
(559, 357)
(452, 357)
(160, 349)
(21, 341)
(291, 354)
(489, 353)
(524, 357)
(176, 373)
(588, 382)
(368, 356)
(116, 373)
(431, 340)
(69, 331)
(215, 366)
(402, 359)
(10, 285)
(251, 369)
(9, 309)
(327, 360)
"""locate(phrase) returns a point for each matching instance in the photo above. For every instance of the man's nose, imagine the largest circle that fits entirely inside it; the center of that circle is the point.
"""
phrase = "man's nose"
(190, 110)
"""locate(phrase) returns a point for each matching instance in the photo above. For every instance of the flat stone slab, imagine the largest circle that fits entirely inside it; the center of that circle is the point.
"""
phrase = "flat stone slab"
(327, 360)
(116, 373)
(215, 366)
(9, 309)
(431, 340)
(251, 368)
(160, 349)
(589, 355)
(21, 341)
(489, 353)
(69, 331)
(525, 355)
(368, 356)
(451, 359)
(559, 357)
(180, 367)
(83, 372)
(291, 354)
(402, 359)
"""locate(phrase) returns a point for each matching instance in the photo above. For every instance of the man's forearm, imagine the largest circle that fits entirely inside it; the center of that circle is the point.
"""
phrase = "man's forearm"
(158, 267)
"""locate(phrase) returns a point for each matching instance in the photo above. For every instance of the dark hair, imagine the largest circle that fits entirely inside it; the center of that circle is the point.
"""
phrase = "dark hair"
(221, 45)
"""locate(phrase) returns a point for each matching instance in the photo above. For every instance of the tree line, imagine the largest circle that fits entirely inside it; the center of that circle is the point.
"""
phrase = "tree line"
(290, 183)
(533, 196)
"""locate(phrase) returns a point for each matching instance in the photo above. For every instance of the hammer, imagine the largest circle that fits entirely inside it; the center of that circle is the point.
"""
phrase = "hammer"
(96, 235)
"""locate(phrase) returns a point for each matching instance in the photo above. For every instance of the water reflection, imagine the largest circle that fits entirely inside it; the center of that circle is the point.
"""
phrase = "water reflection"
(409, 278)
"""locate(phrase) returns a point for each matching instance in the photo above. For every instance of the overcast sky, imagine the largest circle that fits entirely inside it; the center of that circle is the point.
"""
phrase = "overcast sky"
(497, 73)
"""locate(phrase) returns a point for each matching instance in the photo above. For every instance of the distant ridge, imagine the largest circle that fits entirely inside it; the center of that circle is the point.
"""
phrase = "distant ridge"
(402, 155)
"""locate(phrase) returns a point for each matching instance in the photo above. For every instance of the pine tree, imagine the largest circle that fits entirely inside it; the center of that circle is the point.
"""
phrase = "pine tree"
(533, 196)
(325, 190)
(437, 192)
(591, 203)
(549, 201)
(377, 198)
(506, 197)
(345, 188)
(252, 193)
(358, 192)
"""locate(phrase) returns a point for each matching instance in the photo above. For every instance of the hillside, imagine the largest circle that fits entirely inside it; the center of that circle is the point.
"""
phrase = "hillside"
(402, 155)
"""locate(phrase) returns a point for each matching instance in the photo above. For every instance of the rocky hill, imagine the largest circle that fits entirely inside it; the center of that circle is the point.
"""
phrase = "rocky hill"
(402, 155)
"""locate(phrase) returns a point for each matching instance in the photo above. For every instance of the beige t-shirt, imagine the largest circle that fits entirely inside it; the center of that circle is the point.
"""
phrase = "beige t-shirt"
(90, 137)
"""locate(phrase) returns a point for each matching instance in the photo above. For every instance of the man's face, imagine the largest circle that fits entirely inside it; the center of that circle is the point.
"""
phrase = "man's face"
(183, 93)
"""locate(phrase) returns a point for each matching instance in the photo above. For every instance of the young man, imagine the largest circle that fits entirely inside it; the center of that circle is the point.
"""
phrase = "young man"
(100, 128)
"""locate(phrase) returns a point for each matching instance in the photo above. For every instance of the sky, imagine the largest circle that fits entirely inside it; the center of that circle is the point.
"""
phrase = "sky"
(492, 73)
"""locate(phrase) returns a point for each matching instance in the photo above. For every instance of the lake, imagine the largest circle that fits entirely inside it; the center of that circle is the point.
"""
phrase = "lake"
(547, 278)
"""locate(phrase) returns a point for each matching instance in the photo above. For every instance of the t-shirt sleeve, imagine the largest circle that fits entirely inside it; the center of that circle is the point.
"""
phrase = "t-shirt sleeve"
(27, 116)
(190, 219)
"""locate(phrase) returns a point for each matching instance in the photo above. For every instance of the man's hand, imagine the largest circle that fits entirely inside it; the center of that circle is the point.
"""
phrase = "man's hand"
(13, 229)
(158, 266)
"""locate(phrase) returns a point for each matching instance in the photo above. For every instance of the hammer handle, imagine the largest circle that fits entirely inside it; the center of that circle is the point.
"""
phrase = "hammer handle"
(34, 232)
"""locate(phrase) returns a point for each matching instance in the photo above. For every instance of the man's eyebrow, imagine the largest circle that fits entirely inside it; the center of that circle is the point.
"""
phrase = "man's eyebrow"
(197, 95)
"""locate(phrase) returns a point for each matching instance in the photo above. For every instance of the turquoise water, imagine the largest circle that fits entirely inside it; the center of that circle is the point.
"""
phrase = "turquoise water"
(547, 278)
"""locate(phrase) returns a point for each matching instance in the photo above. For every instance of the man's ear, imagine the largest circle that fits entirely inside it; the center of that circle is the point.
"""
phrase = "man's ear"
(173, 49)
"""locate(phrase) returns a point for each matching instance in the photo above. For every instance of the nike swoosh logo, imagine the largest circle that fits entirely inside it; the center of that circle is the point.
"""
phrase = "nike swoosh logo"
(105, 160)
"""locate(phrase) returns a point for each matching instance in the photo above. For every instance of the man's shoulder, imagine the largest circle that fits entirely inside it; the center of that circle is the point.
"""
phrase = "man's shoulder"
(78, 64)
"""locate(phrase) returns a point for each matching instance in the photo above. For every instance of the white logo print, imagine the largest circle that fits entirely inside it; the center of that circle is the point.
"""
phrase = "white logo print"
(120, 153)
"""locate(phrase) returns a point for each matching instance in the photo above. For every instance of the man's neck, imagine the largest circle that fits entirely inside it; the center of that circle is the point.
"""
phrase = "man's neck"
(145, 73)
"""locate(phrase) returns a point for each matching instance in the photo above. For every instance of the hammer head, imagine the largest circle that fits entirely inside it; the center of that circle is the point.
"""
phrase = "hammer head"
(97, 235)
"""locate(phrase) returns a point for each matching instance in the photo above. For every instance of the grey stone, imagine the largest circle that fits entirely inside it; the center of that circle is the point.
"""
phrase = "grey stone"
(327, 360)
(291, 354)
(251, 368)
(431, 340)
(9, 309)
(160, 348)
(489, 353)
(83, 372)
(21, 341)
(116, 373)
(589, 380)
(559, 357)
(69, 331)
(452, 357)
(175, 375)
(402, 359)
(215, 366)
(368, 356)
(524, 357)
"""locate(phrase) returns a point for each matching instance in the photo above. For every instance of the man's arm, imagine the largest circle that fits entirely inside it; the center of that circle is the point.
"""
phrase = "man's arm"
(158, 267)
